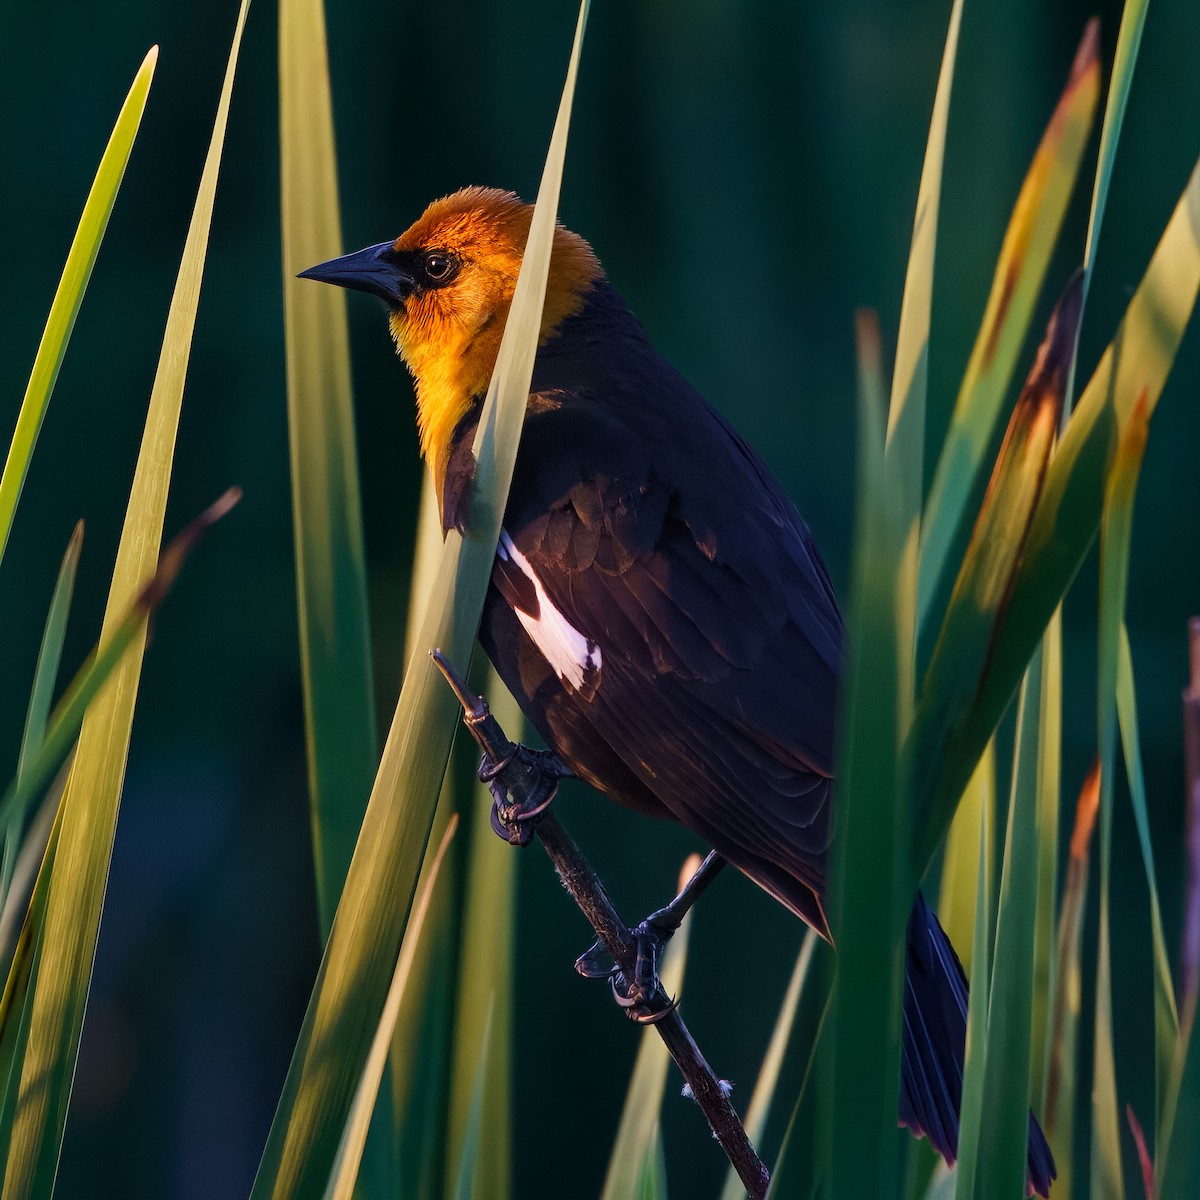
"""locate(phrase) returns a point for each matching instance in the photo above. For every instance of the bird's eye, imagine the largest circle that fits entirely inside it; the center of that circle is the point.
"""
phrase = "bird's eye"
(439, 267)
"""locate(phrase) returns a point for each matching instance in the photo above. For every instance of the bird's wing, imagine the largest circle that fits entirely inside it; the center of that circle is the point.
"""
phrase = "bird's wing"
(686, 607)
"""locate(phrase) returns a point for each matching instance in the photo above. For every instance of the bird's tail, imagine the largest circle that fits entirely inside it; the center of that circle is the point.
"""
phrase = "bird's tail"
(934, 1047)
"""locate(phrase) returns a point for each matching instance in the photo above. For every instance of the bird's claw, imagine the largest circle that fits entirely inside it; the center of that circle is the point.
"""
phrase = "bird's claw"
(538, 772)
(642, 998)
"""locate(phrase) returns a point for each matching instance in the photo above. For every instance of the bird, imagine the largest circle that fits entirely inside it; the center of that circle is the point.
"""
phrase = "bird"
(657, 605)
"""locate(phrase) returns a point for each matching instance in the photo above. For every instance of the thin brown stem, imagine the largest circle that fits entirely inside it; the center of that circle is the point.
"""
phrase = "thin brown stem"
(588, 893)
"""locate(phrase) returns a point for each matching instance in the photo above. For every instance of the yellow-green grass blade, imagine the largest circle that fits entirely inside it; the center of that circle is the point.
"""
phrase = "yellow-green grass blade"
(1115, 536)
(1049, 788)
(960, 865)
(468, 1163)
(1001, 1165)
(485, 958)
(352, 980)
(1063, 1042)
(975, 1065)
(634, 1169)
(420, 1052)
(92, 797)
(335, 643)
(904, 456)
(1129, 40)
(69, 294)
(1025, 253)
(354, 1137)
(64, 724)
(796, 1174)
(961, 654)
(1178, 1159)
(1166, 1016)
(759, 1108)
(38, 713)
(871, 886)
(1067, 515)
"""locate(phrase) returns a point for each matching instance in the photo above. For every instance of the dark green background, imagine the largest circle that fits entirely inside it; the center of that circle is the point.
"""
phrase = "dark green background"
(747, 173)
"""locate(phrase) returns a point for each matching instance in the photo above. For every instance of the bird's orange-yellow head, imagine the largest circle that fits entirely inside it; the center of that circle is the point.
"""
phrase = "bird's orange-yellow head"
(449, 281)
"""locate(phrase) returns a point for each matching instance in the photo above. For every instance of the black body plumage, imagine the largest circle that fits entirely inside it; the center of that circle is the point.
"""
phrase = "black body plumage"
(660, 537)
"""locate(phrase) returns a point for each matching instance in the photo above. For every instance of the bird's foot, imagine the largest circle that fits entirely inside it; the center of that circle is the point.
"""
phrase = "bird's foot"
(531, 775)
(642, 997)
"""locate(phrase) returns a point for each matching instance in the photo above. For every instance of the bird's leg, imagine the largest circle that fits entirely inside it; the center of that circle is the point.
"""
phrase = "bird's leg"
(522, 781)
(637, 995)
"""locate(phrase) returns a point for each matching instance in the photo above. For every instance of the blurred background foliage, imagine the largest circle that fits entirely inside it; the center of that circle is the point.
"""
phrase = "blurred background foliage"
(747, 174)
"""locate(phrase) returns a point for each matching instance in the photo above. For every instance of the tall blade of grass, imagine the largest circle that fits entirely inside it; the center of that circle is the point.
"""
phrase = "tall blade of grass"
(1049, 803)
(797, 1170)
(870, 881)
(1063, 1041)
(420, 1052)
(468, 1163)
(1166, 1016)
(970, 1128)
(335, 642)
(634, 1168)
(68, 716)
(354, 1137)
(1067, 514)
(960, 866)
(960, 656)
(1129, 40)
(44, 676)
(1001, 1165)
(69, 294)
(904, 456)
(93, 794)
(485, 952)
(1115, 536)
(1178, 1165)
(1024, 256)
(765, 1087)
(352, 981)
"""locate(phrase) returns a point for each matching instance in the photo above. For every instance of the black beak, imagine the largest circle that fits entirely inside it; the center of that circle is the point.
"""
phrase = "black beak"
(377, 270)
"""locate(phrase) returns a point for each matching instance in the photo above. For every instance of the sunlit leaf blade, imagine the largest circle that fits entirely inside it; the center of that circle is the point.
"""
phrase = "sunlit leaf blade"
(352, 981)
(759, 1108)
(1116, 530)
(1001, 1166)
(468, 1159)
(1133, 21)
(69, 295)
(960, 865)
(68, 716)
(335, 644)
(981, 590)
(1068, 511)
(1024, 256)
(634, 1166)
(870, 881)
(420, 1053)
(44, 676)
(1049, 787)
(1062, 1074)
(1166, 1016)
(797, 1170)
(93, 794)
(354, 1138)
(485, 958)
(975, 1065)
(904, 456)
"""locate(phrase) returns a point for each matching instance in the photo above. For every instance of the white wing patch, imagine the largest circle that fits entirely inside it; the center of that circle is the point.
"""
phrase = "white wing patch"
(572, 655)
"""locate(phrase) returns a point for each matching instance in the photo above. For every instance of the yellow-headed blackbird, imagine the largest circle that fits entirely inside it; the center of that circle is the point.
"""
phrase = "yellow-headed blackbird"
(657, 605)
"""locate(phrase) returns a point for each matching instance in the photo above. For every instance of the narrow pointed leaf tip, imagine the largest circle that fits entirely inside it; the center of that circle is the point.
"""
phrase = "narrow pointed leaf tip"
(960, 657)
